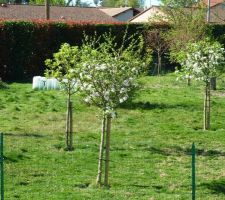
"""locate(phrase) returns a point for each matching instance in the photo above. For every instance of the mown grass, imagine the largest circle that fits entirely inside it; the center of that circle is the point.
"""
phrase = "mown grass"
(150, 148)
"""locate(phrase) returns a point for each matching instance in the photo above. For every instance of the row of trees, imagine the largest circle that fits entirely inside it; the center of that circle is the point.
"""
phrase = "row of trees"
(119, 3)
(82, 3)
(188, 41)
(184, 24)
(106, 75)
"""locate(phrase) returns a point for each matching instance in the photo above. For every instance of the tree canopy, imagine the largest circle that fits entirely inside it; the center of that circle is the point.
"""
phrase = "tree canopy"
(203, 60)
(118, 3)
(187, 24)
(179, 3)
(52, 2)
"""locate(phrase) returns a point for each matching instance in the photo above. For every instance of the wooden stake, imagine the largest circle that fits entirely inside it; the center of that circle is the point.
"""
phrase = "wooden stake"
(71, 126)
(159, 64)
(67, 122)
(101, 152)
(107, 150)
(207, 105)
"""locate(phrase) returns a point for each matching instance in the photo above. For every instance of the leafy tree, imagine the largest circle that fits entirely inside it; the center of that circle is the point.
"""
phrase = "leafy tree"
(52, 2)
(108, 78)
(156, 40)
(179, 3)
(202, 61)
(119, 3)
(187, 24)
(77, 3)
(65, 68)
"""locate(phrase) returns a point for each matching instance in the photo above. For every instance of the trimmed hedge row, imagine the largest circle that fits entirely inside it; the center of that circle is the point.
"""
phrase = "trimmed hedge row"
(25, 45)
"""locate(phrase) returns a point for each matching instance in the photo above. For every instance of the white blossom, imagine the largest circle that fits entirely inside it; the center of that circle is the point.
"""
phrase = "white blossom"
(202, 61)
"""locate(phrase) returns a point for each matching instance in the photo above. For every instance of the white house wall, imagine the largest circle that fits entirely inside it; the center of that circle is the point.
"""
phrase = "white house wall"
(125, 16)
(144, 17)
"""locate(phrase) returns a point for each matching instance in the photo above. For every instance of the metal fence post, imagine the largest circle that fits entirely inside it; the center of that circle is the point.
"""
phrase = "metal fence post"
(193, 172)
(2, 167)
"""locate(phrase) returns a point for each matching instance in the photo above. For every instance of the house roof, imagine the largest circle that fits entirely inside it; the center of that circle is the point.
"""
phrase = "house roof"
(115, 11)
(217, 12)
(213, 2)
(32, 12)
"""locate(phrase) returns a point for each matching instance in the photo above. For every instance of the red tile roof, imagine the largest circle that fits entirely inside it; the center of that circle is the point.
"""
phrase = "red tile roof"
(213, 2)
(32, 12)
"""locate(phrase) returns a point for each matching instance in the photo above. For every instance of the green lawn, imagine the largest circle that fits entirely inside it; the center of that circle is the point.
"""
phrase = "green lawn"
(150, 147)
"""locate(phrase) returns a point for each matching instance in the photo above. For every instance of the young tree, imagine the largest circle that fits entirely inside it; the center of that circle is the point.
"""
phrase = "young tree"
(156, 40)
(64, 67)
(108, 78)
(203, 60)
(186, 19)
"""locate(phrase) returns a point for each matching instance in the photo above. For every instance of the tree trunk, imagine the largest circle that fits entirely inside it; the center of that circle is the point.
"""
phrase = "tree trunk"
(207, 107)
(213, 83)
(101, 152)
(71, 127)
(106, 181)
(159, 64)
(188, 81)
(69, 124)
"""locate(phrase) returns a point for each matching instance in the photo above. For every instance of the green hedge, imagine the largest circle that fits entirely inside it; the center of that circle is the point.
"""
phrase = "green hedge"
(218, 32)
(24, 46)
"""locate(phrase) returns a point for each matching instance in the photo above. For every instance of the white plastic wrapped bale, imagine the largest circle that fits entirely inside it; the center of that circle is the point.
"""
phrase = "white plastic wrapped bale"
(52, 84)
(56, 84)
(39, 82)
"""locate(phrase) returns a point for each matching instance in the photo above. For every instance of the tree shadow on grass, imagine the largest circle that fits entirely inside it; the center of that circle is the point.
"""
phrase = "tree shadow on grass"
(216, 186)
(155, 150)
(14, 158)
(157, 188)
(150, 106)
(140, 186)
(200, 152)
(177, 150)
(82, 185)
(25, 135)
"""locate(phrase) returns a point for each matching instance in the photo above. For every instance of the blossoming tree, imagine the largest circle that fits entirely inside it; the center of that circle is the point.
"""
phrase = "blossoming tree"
(202, 61)
(64, 67)
(108, 78)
